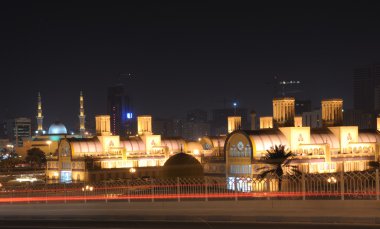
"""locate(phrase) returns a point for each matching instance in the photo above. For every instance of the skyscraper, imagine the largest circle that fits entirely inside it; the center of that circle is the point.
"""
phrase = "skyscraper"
(119, 108)
(18, 129)
(365, 81)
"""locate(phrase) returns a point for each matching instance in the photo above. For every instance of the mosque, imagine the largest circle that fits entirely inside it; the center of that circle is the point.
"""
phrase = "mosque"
(329, 149)
(48, 141)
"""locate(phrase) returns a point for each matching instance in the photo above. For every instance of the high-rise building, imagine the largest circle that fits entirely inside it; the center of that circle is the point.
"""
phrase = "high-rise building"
(352, 117)
(195, 130)
(312, 119)
(365, 81)
(197, 115)
(168, 127)
(302, 106)
(18, 129)
(119, 108)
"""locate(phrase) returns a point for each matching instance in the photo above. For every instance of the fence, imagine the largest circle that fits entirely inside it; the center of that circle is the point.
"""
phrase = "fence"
(353, 185)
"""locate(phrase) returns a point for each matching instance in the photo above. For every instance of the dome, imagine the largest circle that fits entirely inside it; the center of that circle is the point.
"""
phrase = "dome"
(182, 165)
(57, 128)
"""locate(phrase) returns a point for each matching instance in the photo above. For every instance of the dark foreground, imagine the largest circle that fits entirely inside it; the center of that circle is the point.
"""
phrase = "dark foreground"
(167, 224)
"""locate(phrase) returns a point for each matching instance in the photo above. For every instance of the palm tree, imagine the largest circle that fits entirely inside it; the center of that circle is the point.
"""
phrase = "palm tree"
(277, 158)
(373, 165)
(35, 157)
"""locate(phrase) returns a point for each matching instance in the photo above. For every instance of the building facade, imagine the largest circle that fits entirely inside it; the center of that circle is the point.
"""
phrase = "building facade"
(331, 148)
(107, 155)
(18, 129)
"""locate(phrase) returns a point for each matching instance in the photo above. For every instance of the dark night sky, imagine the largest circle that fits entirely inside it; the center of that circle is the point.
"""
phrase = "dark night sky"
(183, 56)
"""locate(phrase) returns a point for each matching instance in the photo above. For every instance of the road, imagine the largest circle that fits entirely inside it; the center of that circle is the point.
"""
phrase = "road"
(169, 225)
(194, 214)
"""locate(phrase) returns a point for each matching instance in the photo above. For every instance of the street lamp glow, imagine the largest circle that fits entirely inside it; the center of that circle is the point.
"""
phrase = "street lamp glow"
(132, 170)
(331, 180)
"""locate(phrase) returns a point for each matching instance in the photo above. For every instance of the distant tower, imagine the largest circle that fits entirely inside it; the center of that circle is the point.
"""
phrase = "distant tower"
(39, 117)
(82, 117)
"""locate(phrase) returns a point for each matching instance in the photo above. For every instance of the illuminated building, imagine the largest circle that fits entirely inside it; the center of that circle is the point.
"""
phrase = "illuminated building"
(331, 148)
(48, 141)
(119, 108)
(107, 156)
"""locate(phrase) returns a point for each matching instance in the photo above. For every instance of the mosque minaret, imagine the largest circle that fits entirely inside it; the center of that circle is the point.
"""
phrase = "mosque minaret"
(82, 117)
(39, 115)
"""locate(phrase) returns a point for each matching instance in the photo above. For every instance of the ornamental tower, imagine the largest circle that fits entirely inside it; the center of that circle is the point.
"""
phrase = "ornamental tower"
(283, 111)
(144, 125)
(82, 117)
(39, 115)
(234, 123)
(332, 112)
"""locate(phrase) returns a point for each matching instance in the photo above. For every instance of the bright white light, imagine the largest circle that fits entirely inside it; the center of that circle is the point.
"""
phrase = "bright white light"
(132, 170)
(26, 179)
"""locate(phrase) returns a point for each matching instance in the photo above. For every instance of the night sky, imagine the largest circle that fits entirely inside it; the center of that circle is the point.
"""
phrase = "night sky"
(182, 56)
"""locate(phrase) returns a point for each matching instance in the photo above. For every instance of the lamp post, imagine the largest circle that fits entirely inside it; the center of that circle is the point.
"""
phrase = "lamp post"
(49, 143)
(132, 171)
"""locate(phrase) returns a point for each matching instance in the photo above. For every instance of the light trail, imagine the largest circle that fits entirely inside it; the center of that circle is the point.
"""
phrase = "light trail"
(175, 196)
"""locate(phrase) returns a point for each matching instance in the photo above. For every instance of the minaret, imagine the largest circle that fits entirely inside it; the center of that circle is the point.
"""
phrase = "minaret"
(82, 117)
(39, 115)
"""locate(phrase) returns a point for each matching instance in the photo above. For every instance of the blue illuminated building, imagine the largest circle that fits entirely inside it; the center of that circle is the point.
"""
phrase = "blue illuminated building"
(119, 107)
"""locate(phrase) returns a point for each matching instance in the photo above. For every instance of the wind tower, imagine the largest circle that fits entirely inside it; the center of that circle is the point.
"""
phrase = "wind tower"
(39, 117)
(82, 117)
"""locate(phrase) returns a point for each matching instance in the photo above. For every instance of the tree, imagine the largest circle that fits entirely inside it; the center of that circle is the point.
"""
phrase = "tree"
(35, 157)
(373, 165)
(277, 158)
(8, 160)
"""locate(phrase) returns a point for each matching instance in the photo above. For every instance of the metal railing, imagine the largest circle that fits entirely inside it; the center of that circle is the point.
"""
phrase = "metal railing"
(352, 185)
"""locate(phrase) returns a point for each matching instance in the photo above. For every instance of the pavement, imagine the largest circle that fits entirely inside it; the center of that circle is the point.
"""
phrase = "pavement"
(315, 212)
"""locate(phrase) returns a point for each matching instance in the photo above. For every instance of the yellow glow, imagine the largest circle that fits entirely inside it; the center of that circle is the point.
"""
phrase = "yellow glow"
(132, 170)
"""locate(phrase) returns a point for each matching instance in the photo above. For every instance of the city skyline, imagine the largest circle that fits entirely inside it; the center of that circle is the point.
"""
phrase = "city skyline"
(178, 56)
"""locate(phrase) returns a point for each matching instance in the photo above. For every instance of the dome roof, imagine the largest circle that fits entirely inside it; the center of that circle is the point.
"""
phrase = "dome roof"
(57, 128)
(182, 165)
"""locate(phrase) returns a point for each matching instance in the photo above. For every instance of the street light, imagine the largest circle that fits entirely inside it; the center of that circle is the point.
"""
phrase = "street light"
(331, 180)
(88, 188)
(49, 143)
(132, 171)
